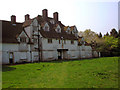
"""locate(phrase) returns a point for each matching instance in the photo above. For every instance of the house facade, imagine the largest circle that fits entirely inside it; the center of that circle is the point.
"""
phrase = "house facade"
(42, 39)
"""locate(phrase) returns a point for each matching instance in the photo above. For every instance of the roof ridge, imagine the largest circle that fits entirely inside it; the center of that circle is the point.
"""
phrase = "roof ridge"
(10, 21)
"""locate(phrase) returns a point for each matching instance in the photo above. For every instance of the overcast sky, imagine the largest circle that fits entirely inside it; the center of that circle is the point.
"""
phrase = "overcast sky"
(97, 15)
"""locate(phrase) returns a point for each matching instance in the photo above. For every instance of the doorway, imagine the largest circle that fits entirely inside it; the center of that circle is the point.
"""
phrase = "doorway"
(59, 54)
(11, 59)
(62, 53)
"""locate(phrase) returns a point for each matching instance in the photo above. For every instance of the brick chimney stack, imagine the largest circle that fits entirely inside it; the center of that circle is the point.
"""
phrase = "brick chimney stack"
(27, 17)
(55, 16)
(13, 19)
(45, 13)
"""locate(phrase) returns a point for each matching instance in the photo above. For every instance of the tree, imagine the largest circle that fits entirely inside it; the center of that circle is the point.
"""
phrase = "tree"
(88, 35)
(107, 34)
(109, 45)
(100, 35)
(114, 33)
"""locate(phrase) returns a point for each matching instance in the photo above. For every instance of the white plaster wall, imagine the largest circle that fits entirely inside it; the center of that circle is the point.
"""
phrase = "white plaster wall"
(29, 59)
(46, 45)
(16, 57)
(74, 54)
(49, 55)
(50, 49)
(7, 48)
(29, 30)
(55, 45)
(35, 56)
(88, 51)
(23, 47)
(85, 51)
(5, 57)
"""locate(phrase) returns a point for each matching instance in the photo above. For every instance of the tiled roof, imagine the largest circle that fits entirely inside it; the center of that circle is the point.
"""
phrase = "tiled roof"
(52, 33)
(71, 28)
(27, 23)
(65, 28)
(10, 32)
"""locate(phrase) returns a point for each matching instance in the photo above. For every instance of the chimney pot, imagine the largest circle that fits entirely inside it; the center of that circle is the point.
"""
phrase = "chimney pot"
(27, 17)
(13, 19)
(55, 16)
(45, 13)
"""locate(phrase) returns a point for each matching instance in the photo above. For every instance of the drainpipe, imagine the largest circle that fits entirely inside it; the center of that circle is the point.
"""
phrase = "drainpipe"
(62, 47)
(41, 48)
(38, 45)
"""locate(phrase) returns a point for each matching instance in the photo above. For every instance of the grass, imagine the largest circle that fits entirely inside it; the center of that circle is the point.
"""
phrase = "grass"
(88, 73)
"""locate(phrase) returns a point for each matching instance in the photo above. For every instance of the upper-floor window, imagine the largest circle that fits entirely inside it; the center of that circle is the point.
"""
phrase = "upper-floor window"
(68, 30)
(23, 39)
(72, 42)
(46, 27)
(49, 40)
(58, 29)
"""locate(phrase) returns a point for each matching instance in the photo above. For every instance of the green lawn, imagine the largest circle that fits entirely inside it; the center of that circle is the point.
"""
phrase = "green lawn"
(87, 73)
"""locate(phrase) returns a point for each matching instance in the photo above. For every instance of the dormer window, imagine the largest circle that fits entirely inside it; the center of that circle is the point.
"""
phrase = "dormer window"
(58, 29)
(75, 30)
(68, 30)
(46, 27)
(23, 39)
(49, 40)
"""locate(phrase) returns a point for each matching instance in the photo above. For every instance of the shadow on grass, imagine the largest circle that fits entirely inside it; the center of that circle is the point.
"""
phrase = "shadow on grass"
(6, 68)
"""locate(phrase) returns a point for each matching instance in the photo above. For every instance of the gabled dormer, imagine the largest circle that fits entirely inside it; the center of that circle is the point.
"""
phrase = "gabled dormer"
(58, 29)
(46, 27)
(23, 37)
(74, 30)
(67, 29)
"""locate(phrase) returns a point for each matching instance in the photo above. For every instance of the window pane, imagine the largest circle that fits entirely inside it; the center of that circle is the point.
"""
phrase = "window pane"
(49, 40)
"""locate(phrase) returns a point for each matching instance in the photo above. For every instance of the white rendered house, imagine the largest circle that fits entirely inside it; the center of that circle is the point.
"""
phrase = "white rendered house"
(41, 39)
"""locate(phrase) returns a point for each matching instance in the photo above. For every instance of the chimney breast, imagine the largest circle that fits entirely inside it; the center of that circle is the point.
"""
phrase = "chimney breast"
(55, 16)
(13, 19)
(27, 17)
(45, 13)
